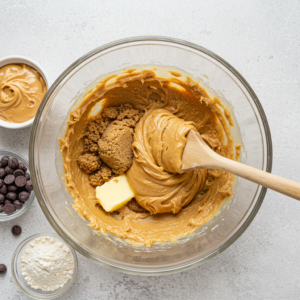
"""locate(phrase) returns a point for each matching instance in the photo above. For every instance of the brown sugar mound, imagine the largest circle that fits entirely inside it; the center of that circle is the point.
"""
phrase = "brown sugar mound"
(107, 143)
(101, 176)
(115, 147)
(133, 205)
(89, 162)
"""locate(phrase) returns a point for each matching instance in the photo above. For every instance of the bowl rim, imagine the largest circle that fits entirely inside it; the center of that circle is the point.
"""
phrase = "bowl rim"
(56, 293)
(29, 202)
(17, 59)
(269, 153)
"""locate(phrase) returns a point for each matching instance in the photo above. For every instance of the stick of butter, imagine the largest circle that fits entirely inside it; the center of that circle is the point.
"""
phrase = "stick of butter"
(114, 193)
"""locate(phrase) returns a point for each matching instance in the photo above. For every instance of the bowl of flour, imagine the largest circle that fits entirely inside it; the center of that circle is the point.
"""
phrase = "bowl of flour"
(44, 266)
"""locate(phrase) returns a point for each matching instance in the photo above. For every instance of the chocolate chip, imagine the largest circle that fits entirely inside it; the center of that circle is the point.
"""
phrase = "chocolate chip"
(12, 188)
(24, 196)
(8, 170)
(18, 204)
(16, 230)
(13, 163)
(9, 179)
(3, 189)
(29, 186)
(7, 201)
(18, 173)
(3, 269)
(9, 209)
(27, 176)
(2, 173)
(1, 208)
(20, 181)
(11, 196)
(22, 167)
(4, 161)
(1, 182)
(2, 198)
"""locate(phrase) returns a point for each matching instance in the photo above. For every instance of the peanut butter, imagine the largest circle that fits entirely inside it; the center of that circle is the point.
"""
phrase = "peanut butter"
(22, 89)
(171, 203)
(156, 177)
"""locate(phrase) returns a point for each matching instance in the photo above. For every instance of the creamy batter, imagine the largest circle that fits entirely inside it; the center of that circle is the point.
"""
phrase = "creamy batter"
(175, 203)
(22, 89)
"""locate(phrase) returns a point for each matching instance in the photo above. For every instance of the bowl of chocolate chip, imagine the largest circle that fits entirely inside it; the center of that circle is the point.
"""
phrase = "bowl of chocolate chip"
(16, 190)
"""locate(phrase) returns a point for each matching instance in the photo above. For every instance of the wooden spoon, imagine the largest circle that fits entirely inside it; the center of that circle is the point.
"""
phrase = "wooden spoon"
(198, 155)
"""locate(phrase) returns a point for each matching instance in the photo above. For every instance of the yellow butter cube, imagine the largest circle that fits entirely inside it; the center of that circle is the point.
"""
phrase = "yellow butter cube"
(114, 193)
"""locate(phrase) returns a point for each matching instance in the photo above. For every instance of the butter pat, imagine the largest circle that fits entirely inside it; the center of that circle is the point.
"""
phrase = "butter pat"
(114, 193)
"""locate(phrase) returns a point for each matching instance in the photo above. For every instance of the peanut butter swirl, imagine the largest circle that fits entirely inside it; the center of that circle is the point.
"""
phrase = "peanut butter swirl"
(22, 89)
(156, 177)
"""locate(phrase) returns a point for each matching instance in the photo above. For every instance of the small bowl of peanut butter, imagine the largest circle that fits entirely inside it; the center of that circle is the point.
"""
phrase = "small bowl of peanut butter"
(23, 85)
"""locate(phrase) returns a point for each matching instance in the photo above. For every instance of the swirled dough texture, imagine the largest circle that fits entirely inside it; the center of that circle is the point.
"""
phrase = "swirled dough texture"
(22, 89)
(155, 175)
(179, 202)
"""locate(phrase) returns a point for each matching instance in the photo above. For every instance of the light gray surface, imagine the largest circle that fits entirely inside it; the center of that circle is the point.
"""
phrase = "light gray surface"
(261, 39)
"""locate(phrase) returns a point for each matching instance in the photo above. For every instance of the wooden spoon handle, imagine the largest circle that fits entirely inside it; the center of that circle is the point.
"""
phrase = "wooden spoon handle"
(197, 155)
(268, 180)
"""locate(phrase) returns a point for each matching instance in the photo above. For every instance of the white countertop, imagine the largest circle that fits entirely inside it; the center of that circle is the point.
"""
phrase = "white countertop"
(261, 39)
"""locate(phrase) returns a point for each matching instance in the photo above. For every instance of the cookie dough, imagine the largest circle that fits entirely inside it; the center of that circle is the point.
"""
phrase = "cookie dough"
(22, 89)
(161, 94)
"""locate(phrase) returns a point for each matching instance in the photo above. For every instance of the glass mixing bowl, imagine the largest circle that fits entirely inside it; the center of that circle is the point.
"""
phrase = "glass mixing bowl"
(46, 165)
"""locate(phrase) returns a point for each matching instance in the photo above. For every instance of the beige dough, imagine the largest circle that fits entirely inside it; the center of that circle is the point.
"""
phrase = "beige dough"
(197, 196)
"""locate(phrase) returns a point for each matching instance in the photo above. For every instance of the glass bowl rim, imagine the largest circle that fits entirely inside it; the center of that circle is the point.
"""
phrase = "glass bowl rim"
(29, 202)
(175, 41)
(56, 293)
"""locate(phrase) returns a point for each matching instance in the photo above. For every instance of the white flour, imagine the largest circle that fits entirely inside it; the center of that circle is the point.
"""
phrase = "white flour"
(47, 263)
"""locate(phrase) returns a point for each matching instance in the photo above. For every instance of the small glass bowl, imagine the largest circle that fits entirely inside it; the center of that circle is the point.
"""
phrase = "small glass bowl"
(4, 217)
(22, 283)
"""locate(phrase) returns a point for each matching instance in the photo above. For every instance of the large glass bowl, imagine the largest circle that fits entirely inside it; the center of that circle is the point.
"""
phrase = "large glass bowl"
(46, 164)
